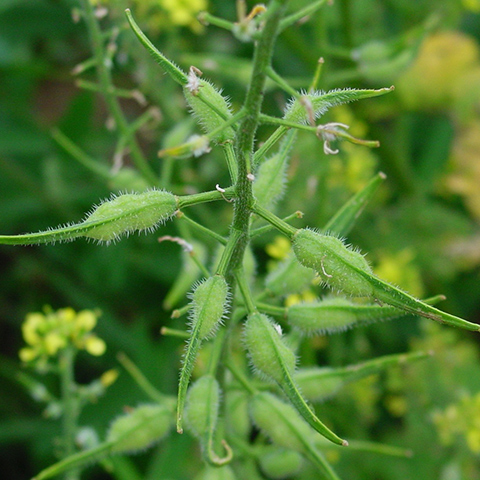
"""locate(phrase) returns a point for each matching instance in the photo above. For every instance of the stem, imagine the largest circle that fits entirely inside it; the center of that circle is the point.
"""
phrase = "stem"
(247, 129)
(108, 92)
(140, 378)
(277, 222)
(70, 407)
(267, 228)
(195, 199)
(202, 229)
(245, 290)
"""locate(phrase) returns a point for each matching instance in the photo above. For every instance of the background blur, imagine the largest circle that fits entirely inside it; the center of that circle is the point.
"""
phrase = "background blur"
(422, 232)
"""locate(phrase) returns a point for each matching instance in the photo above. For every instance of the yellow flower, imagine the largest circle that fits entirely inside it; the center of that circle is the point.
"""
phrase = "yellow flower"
(27, 354)
(85, 320)
(95, 346)
(279, 248)
(472, 5)
(109, 377)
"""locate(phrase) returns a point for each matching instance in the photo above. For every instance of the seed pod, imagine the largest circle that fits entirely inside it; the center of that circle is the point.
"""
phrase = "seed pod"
(237, 421)
(271, 357)
(140, 428)
(268, 353)
(340, 267)
(201, 415)
(278, 463)
(343, 221)
(216, 473)
(270, 177)
(129, 213)
(210, 108)
(320, 102)
(288, 277)
(201, 410)
(336, 314)
(116, 217)
(284, 426)
(210, 301)
(321, 383)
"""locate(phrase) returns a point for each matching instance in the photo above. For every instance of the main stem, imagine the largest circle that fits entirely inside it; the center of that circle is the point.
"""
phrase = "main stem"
(246, 133)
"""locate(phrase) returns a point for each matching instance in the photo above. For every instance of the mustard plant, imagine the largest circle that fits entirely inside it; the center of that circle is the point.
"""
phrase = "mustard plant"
(246, 417)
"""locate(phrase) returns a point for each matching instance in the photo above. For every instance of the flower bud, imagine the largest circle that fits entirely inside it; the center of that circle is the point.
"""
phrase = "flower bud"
(129, 213)
(340, 267)
(140, 428)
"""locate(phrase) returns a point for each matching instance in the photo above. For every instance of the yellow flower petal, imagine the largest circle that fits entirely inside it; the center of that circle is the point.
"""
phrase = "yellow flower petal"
(53, 342)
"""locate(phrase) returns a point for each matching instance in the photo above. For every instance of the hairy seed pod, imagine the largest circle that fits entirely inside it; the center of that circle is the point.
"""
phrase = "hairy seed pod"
(237, 421)
(210, 108)
(336, 314)
(268, 353)
(201, 410)
(288, 277)
(278, 463)
(130, 213)
(270, 180)
(140, 428)
(210, 302)
(338, 266)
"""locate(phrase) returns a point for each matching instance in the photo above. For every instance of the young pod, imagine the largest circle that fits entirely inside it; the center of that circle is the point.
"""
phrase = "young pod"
(268, 353)
(279, 463)
(288, 277)
(209, 106)
(201, 409)
(284, 426)
(275, 360)
(340, 267)
(139, 429)
(336, 314)
(313, 105)
(129, 213)
(320, 383)
(216, 473)
(210, 301)
(201, 415)
(270, 177)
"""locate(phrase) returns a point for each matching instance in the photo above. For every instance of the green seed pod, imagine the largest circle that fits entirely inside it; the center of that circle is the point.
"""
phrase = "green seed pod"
(268, 353)
(338, 266)
(129, 213)
(320, 102)
(321, 383)
(278, 463)
(216, 473)
(270, 177)
(201, 410)
(271, 357)
(209, 107)
(140, 428)
(336, 314)
(284, 426)
(201, 415)
(237, 421)
(210, 301)
(288, 277)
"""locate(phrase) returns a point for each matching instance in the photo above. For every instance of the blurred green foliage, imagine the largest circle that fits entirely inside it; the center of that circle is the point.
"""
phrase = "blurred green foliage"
(423, 228)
